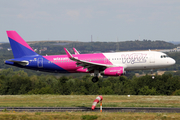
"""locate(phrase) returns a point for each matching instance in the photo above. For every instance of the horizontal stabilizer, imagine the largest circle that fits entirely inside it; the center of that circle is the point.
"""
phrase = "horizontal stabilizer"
(24, 62)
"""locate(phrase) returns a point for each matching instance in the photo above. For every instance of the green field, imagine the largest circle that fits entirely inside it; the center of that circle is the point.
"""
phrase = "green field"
(86, 116)
(87, 100)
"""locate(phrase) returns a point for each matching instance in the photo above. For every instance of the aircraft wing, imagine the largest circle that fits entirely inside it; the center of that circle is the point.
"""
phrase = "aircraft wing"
(86, 64)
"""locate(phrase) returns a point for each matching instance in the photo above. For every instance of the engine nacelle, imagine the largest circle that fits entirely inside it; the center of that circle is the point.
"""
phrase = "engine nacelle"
(113, 71)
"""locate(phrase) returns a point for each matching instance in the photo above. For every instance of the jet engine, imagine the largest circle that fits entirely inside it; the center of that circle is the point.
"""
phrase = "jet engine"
(113, 71)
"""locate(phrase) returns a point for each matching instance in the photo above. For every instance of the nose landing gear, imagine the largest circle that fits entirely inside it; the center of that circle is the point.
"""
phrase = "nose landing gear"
(152, 74)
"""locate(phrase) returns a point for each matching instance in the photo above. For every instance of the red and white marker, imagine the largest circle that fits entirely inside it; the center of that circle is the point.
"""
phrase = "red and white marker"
(99, 98)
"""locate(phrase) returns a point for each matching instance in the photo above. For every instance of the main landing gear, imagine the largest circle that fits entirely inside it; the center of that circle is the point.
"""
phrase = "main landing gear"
(95, 79)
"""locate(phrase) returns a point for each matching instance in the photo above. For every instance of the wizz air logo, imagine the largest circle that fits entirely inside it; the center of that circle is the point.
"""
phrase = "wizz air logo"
(134, 58)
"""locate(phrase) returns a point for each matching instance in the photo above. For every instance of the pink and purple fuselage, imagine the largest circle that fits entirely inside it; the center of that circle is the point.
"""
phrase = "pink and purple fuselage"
(53, 63)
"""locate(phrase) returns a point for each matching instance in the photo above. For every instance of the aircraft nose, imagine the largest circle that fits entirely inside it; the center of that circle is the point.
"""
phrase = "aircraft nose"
(172, 61)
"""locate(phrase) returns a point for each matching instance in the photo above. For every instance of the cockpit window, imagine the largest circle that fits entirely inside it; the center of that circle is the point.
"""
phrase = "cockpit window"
(164, 56)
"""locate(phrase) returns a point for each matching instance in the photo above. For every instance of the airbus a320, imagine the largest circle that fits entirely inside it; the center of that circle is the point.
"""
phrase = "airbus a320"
(107, 64)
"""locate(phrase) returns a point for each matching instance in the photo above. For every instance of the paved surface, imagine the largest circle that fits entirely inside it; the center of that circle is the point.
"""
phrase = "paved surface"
(105, 109)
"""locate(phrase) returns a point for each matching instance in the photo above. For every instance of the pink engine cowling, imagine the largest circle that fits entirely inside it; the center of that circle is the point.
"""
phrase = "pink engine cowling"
(113, 71)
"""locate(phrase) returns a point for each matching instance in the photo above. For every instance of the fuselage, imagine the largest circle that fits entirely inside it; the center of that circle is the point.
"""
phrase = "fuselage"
(137, 60)
(109, 64)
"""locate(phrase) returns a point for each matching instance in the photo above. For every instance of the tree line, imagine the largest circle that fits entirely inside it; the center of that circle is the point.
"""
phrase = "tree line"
(85, 47)
(18, 82)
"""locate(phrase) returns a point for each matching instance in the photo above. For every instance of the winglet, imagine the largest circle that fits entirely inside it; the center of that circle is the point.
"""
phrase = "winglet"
(68, 53)
(76, 52)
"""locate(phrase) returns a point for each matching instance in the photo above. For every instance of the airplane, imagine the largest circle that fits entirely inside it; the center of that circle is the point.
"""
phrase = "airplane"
(106, 64)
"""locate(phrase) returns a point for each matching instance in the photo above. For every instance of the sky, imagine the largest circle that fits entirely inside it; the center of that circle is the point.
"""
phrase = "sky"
(77, 20)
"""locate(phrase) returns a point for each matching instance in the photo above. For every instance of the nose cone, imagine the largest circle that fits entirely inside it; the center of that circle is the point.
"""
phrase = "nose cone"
(172, 62)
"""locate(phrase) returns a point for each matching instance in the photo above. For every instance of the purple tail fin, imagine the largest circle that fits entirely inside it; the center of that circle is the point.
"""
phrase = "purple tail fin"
(19, 47)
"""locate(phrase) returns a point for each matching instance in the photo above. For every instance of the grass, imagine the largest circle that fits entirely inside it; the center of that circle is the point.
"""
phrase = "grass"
(87, 100)
(87, 116)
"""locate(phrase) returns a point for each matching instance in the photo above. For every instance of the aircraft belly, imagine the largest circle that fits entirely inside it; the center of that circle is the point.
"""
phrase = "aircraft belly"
(138, 66)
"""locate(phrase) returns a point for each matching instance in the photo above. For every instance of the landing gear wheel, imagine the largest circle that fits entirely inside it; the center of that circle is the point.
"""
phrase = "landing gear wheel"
(152, 74)
(95, 79)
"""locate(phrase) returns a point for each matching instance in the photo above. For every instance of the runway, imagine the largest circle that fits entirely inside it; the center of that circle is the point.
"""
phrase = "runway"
(86, 109)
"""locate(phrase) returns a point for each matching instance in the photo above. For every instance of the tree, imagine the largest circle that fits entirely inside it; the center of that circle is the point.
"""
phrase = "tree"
(146, 91)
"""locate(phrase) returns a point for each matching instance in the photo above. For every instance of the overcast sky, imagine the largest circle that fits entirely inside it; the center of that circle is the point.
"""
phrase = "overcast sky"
(106, 20)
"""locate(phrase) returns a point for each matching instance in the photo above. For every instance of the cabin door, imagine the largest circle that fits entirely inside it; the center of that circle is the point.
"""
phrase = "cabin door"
(40, 62)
